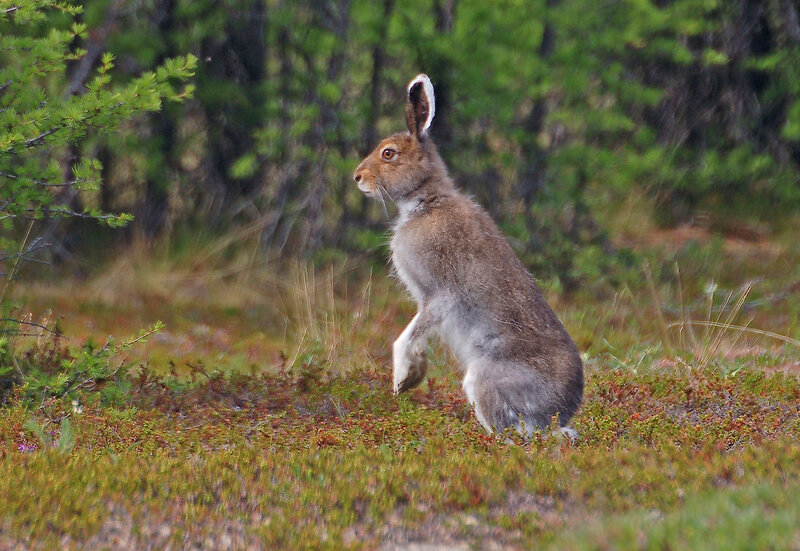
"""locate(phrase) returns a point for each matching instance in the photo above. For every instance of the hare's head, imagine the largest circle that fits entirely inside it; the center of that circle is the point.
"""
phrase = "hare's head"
(404, 161)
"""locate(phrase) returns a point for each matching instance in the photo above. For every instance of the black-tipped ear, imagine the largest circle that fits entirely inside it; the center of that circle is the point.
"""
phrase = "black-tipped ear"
(420, 106)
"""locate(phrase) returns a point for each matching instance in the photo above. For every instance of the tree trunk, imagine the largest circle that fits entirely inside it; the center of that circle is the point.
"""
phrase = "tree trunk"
(153, 211)
(336, 17)
(534, 170)
(370, 135)
(77, 72)
(238, 57)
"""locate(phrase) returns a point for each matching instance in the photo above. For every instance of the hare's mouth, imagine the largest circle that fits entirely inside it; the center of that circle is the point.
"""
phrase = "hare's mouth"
(367, 189)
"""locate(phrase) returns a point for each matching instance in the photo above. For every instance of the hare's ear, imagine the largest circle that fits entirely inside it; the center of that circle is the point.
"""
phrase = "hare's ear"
(420, 106)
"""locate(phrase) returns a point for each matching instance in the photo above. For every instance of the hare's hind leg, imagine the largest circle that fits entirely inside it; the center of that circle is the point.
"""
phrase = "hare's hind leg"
(410, 363)
(508, 396)
(470, 386)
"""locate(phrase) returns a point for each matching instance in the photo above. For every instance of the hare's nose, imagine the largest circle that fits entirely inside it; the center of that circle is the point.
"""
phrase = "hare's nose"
(357, 177)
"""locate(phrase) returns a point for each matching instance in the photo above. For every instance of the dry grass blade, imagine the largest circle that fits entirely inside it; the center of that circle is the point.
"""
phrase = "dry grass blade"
(715, 333)
(681, 302)
(9, 278)
(662, 324)
(741, 328)
(321, 315)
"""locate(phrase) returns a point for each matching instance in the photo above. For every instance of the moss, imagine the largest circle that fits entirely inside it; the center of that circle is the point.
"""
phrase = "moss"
(309, 449)
(315, 473)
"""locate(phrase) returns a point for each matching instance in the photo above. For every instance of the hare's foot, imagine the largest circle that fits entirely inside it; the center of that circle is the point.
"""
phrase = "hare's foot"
(418, 366)
(400, 360)
(410, 366)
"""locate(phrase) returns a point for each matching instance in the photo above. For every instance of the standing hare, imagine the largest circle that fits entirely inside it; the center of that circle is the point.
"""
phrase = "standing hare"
(521, 368)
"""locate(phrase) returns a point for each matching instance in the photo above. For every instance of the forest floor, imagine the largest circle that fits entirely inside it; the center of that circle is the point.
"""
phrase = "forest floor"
(261, 416)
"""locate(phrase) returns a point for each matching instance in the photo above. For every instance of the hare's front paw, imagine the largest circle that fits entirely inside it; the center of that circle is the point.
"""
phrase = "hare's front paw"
(414, 374)
(409, 368)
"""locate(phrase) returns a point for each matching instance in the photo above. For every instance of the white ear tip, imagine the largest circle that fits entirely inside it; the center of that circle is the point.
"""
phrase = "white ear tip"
(423, 78)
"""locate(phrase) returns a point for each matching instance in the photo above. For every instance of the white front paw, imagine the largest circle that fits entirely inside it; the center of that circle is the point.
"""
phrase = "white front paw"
(401, 363)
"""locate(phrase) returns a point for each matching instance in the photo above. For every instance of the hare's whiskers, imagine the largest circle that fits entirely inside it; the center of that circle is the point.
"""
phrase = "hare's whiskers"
(381, 191)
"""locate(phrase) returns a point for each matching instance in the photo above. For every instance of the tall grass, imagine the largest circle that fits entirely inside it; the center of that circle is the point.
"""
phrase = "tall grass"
(326, 316)
(700, 335)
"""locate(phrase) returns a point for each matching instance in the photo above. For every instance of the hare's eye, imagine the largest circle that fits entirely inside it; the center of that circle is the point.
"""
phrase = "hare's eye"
(388, 154)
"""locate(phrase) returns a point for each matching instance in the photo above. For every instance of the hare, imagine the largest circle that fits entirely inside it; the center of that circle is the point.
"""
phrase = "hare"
(521, 368)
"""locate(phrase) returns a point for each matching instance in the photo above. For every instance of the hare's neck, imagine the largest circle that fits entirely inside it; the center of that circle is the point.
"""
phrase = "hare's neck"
(408, 208)
(423, 195)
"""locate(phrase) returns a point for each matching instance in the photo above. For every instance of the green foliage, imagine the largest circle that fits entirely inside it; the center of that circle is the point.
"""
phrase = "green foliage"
(549, 112)
(580, 107)
(50, 369)
(63, 444)
(38, 119)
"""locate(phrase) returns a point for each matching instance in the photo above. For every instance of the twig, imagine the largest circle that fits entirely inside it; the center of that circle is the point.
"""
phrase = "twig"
(38, 139)
(31, 142)
(32, 324)
(14, 269)
(43, 183)
(32, 249)
(10, 201)
(144, 335)
(67, 212)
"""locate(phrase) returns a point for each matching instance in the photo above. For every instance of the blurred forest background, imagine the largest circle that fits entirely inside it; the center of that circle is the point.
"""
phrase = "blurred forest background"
(553, 113)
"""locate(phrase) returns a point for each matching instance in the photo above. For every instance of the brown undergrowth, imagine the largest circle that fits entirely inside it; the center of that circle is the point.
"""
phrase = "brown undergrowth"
(686, 441)
(278, 459)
